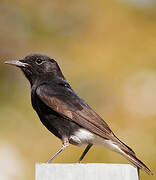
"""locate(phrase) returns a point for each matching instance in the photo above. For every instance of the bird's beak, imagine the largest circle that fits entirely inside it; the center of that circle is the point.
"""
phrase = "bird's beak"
(17, 63)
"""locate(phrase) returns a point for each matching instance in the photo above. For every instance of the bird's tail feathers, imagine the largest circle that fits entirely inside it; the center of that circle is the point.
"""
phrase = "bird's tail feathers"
(129, 154)
(137, 163)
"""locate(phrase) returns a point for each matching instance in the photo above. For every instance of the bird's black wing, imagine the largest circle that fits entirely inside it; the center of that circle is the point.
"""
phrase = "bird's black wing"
(68, 104)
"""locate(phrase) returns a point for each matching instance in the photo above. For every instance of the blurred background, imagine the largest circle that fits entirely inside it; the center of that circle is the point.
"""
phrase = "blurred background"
(107, 51)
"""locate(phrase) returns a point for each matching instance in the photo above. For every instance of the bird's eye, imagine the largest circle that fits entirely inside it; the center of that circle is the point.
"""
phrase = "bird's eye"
(39, 61)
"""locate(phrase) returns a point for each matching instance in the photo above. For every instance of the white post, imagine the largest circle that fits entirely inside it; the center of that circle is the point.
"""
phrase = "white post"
(44, 171)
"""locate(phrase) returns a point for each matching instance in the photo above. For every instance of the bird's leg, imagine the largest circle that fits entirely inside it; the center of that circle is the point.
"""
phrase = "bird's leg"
(138, 169)
(65, 144)
(85, 152)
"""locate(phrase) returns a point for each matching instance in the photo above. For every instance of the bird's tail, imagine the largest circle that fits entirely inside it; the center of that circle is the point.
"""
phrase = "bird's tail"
(129, 154)
(137, 163)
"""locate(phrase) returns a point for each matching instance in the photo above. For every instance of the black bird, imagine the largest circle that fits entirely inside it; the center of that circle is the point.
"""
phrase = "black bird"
(64, 113)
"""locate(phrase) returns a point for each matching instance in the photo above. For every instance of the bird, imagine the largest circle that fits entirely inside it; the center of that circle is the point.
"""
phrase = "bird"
(65, 114)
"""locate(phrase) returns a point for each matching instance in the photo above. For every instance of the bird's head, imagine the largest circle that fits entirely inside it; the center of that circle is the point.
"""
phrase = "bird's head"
(37, 65)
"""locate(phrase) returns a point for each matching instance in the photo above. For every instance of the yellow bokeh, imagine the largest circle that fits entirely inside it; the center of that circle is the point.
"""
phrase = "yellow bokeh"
(107, 51)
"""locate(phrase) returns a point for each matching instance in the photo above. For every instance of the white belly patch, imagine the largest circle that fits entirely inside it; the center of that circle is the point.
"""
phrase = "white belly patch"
(84, 137)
